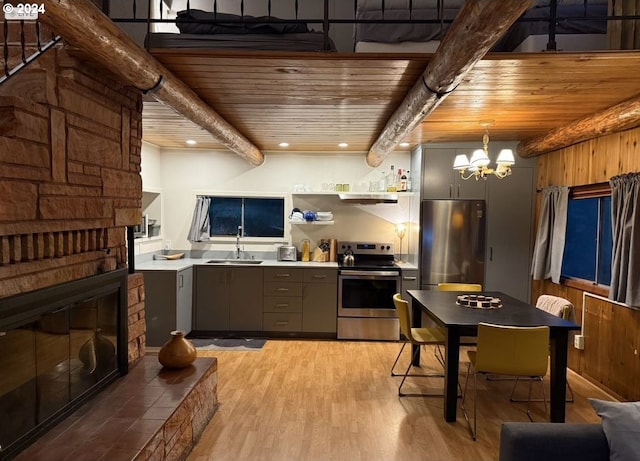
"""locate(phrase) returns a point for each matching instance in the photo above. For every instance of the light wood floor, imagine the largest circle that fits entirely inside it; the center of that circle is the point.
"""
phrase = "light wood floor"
(330, 400)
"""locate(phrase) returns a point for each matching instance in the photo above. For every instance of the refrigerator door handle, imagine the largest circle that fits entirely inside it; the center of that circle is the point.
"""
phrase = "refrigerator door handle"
(490, 253)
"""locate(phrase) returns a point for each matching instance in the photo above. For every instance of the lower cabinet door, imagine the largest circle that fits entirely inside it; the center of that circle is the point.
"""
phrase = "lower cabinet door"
(280, 304)
(282, 322)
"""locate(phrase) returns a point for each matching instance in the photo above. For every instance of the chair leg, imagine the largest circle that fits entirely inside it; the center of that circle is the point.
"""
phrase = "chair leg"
(570, 397)
(439, 355)
(544, 397)
(529, 402)
(401, 394)
(464, 396)
(491, 377)
(394, 374)
(396, 362)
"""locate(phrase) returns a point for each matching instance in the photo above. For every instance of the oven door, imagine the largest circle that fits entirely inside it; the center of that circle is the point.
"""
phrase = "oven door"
(367, 293)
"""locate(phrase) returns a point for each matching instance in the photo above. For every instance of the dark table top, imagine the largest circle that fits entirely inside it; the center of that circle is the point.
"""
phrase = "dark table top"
(441, 305)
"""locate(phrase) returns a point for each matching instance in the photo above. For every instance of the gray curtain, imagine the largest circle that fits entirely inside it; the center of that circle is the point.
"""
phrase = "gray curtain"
(552, 228)
(199, 230)
(625, 223)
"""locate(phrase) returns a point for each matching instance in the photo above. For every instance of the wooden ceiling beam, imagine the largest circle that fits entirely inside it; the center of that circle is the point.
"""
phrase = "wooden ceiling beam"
(477, 27)
(620, 117)
(86, 27)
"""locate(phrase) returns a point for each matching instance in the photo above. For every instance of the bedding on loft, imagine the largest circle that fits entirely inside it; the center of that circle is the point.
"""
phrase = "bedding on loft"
(207, 30)
(587, 23)
(579, 25)
(398, 26)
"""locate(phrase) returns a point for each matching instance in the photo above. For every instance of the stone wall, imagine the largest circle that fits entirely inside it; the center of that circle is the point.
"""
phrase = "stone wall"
(137, 325)
(70, 138)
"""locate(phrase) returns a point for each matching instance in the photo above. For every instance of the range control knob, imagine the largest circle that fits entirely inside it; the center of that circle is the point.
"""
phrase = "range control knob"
(388, 247)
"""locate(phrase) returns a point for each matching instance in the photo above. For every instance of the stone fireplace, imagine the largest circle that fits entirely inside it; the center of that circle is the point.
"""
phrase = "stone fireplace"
(71, 318)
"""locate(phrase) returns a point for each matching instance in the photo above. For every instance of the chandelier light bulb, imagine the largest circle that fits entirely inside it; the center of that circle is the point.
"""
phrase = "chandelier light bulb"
(478, 166)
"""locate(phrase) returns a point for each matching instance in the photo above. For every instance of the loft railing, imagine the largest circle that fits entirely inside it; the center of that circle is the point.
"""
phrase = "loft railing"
(22, 42)
(153, 12)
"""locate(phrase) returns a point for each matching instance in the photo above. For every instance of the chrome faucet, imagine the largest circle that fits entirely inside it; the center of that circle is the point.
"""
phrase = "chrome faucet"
(238, 242)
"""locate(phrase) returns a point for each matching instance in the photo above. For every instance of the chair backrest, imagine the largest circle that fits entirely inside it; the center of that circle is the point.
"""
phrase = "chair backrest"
(557, 306)
(402, 306)
(459, 287)
(516, 351)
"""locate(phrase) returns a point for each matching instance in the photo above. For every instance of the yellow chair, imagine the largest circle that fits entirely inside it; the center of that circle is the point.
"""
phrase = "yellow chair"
(559, 307)
(507, 350)
(417, 337)
(459, 286)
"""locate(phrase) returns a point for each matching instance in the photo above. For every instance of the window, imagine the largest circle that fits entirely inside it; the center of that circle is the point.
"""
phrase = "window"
(258, 216)
(588, 243)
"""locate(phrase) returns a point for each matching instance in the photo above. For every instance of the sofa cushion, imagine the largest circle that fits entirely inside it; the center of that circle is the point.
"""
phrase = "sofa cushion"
(552, 441)
(621, 425)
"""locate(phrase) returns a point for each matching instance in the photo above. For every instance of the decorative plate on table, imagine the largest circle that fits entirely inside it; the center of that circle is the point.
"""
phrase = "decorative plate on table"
(479, 301)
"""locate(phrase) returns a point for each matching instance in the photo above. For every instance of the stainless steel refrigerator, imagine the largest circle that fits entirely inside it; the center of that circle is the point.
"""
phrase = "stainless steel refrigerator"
(452, 245)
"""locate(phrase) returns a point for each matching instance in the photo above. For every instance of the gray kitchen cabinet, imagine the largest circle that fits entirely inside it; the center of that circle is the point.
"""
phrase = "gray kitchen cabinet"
(211, 298)
(228, 298)
(320, 301)
(283, 299)
(509, 233)
(441, 181)
(510, 201)
(411, 281)
(246, 298)
(168, 303)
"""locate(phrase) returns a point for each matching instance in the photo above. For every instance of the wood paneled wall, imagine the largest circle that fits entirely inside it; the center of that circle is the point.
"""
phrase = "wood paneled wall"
(612, 332)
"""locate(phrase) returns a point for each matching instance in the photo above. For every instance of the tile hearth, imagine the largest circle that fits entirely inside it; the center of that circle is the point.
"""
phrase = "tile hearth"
(149, 414)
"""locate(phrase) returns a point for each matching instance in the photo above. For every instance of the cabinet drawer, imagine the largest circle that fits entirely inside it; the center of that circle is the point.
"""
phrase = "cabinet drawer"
(282, 322)
(284, 274)
(282, 304)
(282, 289)
(320, 275)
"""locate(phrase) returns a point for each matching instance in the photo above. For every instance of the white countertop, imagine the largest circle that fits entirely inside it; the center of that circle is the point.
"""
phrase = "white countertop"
(184, 263)
(406, 265)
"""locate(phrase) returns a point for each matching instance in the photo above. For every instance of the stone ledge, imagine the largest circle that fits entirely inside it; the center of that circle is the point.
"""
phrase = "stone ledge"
(149, 414)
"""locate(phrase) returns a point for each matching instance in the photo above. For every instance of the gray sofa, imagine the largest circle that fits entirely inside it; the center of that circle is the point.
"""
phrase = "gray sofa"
(553, 441)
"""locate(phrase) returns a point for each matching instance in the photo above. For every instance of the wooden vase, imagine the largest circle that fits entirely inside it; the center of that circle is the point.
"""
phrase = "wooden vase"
(178, 352)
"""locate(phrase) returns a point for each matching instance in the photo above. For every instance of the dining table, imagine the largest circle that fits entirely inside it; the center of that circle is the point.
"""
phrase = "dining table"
(457, 320)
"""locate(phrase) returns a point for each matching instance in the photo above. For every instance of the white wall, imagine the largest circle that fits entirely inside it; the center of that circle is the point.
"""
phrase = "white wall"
(184, 173)
(151, 182)
(150, 167)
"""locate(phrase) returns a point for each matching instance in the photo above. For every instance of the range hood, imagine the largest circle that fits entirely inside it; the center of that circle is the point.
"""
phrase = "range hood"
(368, 198)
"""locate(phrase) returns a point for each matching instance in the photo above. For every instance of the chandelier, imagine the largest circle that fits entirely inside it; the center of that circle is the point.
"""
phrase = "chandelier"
(478, 167)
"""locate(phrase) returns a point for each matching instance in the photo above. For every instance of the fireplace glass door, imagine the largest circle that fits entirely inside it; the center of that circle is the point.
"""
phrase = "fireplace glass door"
(53, 358)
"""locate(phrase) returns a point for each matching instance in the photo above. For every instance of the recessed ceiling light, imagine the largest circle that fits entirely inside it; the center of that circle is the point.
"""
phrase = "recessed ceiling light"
(284, 144)
(404, 144)
(191, 142)
(343, 144)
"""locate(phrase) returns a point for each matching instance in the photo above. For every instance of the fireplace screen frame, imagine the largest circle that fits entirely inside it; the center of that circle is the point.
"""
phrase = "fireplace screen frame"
(34, 309)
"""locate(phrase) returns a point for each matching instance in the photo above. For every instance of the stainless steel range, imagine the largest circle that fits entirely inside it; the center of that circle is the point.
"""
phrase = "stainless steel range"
(366, 285)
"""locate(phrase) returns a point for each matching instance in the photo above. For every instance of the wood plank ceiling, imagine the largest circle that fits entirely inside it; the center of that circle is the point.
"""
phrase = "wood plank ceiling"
(313, 101)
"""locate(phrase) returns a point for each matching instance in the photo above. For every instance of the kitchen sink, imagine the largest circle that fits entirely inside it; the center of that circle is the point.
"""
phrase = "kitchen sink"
(234, 261)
